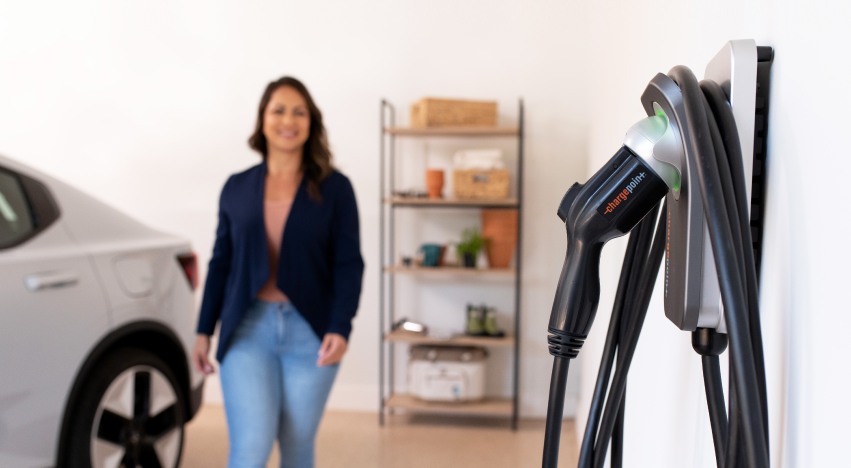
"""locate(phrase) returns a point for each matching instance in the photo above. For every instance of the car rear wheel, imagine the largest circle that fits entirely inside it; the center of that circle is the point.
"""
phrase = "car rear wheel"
(131, 415)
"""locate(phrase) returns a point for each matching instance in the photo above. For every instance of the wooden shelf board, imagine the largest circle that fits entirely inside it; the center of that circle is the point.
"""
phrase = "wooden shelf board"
(401, 336)
(450, 271)
(453, 131)
(488, 406)
(441, 202)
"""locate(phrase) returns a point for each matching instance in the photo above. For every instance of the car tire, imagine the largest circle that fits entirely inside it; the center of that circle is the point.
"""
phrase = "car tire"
(130, 413)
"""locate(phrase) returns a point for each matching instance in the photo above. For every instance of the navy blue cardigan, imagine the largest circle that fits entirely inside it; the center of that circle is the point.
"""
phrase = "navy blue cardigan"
(320, 267)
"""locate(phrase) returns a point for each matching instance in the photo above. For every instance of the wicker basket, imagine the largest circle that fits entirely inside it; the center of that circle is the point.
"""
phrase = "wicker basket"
(474, 183)
(431, 112)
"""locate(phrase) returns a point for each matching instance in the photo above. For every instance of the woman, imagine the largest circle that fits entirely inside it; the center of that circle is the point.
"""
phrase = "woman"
(285, 297)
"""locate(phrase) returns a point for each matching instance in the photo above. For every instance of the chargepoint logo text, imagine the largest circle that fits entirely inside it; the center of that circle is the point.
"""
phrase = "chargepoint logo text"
(624, 195)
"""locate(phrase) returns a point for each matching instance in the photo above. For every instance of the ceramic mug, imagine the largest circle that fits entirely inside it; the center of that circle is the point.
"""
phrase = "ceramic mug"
(431, 254)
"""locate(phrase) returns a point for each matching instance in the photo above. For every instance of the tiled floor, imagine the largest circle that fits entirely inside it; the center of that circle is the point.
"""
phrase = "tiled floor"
(349, 439)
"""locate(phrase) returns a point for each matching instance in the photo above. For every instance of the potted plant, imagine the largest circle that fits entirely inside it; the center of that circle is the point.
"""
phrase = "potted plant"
(468, 248)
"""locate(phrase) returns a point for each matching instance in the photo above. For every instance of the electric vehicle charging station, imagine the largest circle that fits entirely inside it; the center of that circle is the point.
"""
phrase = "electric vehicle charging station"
(695, 157)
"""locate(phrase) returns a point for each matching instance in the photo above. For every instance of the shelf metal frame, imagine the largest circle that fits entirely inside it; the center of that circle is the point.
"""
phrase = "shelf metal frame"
(387, 206)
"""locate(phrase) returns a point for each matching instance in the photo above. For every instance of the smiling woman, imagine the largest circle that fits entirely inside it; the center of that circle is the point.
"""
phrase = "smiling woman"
(284, 280)
(289, 119)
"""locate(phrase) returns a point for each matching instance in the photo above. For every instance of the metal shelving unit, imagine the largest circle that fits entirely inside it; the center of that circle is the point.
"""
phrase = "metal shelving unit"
(388, 398)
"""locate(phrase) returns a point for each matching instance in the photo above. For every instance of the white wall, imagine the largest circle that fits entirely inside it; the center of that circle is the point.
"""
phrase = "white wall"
(804, 310)
(148, 105)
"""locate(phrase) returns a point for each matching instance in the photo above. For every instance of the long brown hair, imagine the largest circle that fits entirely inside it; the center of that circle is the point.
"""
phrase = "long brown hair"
(316, 159)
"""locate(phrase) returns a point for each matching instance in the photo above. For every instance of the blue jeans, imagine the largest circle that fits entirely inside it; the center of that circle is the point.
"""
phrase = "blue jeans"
(273, 388)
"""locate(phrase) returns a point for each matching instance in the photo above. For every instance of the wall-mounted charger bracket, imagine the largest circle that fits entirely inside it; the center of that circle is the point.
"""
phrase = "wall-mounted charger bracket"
(692, 295)
(684, 233)
(659, 158)
(734, 68)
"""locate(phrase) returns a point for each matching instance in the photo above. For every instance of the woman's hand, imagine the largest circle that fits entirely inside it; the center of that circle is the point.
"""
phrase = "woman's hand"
(200, 355)
(332, 350)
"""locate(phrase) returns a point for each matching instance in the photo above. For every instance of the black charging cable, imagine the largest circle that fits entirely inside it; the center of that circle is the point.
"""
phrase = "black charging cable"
(625, 326)
(644, 290)
(555, 411)
(629, 310)
(728, 154)
(733, 456)
(731, 281)
(717, 101)
(611, 203)
(710, 344)
(645, 238)
(634, 259)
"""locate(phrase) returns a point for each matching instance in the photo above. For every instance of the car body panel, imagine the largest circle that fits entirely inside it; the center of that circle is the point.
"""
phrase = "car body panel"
(120, 271)
(45, 334)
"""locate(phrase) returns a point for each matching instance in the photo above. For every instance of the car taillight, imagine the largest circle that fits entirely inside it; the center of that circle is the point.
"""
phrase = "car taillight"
(189, 262)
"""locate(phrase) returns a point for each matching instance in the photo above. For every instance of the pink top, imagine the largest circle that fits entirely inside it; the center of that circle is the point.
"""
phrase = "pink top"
(275, 215)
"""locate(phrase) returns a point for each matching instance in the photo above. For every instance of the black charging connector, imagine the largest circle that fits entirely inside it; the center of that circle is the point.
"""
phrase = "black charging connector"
(606, 207)
(609, 205)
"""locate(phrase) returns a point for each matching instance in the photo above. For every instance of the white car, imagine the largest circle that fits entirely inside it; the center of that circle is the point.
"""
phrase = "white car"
(96, 326)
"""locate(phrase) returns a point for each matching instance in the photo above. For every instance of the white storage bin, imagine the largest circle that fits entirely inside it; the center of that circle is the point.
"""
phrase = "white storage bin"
(447, 373)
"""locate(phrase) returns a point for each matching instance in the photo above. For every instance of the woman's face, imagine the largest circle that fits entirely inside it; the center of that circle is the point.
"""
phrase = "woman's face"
(286, 121)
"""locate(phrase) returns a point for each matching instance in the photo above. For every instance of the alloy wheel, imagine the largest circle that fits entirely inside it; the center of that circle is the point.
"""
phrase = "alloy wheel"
(137, 423)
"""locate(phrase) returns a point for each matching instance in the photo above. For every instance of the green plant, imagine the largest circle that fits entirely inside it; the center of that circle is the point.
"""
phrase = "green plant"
(471, 242)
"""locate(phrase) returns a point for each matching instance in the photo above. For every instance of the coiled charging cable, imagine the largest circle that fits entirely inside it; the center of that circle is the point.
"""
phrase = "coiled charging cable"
(720, 176)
